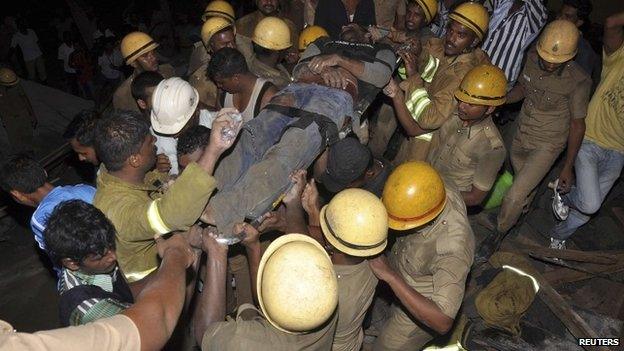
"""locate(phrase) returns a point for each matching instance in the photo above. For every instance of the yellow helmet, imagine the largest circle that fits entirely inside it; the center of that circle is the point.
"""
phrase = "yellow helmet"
(297, 285)
(430, 8)
(355, 222)
(212, 26)
(558, 42)
(8, 78)
(485, 84)
(414, 194)
(272, 33)
(310, 34)
(219, 8)
(136, 44)
(472, 15)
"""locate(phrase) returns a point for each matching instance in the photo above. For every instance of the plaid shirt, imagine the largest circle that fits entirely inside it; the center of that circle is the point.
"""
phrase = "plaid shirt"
(95, 308)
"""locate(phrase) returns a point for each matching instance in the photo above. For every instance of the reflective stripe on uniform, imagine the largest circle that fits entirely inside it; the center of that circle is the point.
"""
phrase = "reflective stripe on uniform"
(135, 276)
(417, 103)
(402, 72)
(154, 219)
(430, 69)
(533, 280)
(425, 137)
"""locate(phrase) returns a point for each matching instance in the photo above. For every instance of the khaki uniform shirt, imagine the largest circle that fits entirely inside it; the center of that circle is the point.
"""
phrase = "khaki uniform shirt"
(122, 98)
(199, 57)
(138, 212)
(356, 287)
(206, 89)
(245, 26)
(386, 12)
(208, 92)
(436, 259)
(279, 77)
(468, 156)
(17, 116)
(258, 334)
(552, 100)
(113, 333)
(444, 76)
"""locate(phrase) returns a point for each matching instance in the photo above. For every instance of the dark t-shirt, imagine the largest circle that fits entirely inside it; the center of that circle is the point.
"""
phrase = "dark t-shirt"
(332, 15)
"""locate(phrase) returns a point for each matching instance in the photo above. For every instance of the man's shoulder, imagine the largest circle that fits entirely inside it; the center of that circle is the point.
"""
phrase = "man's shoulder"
(577, 73)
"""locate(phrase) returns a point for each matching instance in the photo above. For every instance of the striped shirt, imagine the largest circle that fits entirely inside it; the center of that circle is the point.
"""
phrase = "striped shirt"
(95, 308)
(438, 25)
(510, 35)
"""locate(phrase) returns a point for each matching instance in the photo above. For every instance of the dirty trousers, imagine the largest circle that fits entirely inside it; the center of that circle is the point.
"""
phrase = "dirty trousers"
(400, 332)
(531, 162)
(256, 172)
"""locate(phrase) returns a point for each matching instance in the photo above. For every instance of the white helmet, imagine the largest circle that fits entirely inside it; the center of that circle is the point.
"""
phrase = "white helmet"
(173, 103)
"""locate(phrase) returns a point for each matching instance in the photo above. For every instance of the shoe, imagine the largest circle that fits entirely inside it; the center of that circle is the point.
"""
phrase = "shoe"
(560, 209)
(557, 244)
(488, 247)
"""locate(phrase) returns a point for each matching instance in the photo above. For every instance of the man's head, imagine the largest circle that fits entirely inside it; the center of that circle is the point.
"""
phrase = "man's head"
(575, 11)
(309, 34)
(191, 145)
(227, 68)
(142, 88)
(81, 133)
(123, 142)
(271, 35)
(81, 238)
(355, 33)
(419, 13)
(481, 90)
(218, 33)
(137, 49)
(466, 28)
(355, 222)
(268, 7)
(219, 8)
(414, 195)
(174, 107)
(343, 165)
(295, 268)
(557, 45)
(8, 78)
(23, 178)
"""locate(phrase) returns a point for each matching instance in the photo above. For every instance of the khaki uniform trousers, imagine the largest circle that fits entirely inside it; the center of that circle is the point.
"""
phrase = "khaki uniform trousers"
(531, 162)
(400, 332)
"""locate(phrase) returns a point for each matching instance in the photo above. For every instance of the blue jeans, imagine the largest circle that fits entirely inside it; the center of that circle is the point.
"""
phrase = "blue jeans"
(596, 169)
(253, 175)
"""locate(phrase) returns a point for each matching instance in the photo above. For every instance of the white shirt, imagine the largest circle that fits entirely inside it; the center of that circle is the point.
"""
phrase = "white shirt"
(108, 64)
(63, 54)
(168, 145)
(28, 43)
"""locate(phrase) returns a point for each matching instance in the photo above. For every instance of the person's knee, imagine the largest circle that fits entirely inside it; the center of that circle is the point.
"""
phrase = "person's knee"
(589, 205)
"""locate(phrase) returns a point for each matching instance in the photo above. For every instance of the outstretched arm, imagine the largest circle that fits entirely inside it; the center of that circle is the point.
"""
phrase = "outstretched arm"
(160, 302)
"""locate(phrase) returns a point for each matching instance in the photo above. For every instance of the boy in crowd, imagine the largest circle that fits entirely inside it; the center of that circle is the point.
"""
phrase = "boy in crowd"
(27, 183)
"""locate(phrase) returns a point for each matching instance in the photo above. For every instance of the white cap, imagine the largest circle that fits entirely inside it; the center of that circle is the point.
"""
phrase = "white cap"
(173, 103)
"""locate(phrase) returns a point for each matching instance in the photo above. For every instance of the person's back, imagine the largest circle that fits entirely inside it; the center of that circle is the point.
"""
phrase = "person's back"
(26, 181)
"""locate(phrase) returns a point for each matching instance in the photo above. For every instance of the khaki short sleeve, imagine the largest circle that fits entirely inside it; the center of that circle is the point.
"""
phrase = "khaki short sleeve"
(114, 333)
(487, 168)
(451, 268)
(579, 99)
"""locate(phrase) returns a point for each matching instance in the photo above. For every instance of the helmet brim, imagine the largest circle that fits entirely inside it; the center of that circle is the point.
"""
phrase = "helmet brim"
(327, 233)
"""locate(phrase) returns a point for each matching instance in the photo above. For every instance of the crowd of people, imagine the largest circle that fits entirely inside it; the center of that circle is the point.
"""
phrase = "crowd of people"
(307, 153)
